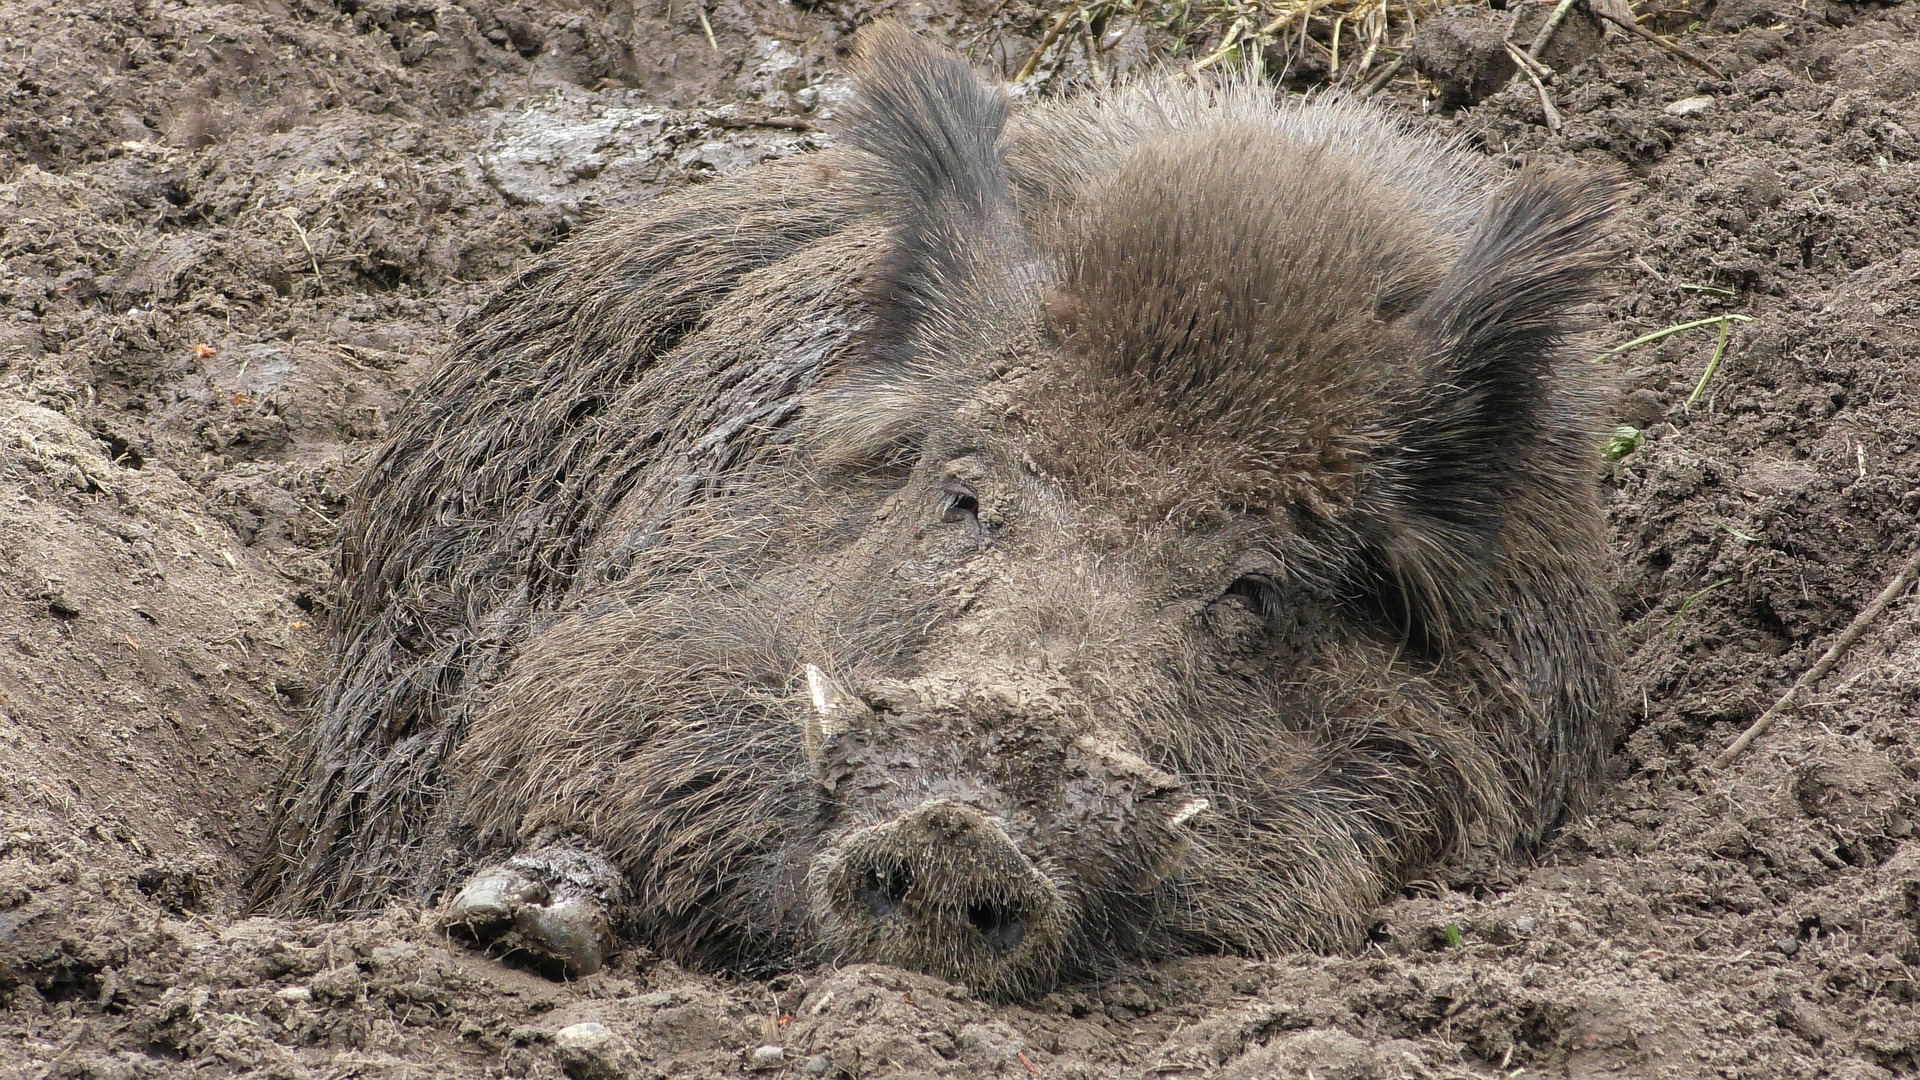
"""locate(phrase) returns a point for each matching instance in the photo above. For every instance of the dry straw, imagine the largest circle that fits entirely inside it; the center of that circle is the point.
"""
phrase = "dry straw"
(1360, 44)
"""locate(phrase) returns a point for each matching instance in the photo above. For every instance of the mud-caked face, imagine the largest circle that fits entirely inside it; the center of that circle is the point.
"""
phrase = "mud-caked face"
(1016, 798)
(987, 814)
(972, 838)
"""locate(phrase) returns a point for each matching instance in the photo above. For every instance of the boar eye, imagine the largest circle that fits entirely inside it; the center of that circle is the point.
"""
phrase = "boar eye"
(1254, 591)
(959, 505)
(1244, 611)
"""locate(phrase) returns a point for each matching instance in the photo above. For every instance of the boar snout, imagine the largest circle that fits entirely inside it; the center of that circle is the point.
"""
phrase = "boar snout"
(985, 829)
(945, 890)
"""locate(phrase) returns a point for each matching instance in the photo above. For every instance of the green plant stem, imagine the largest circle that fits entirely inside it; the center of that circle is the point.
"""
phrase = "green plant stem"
(1648, 339)
(1713, 365)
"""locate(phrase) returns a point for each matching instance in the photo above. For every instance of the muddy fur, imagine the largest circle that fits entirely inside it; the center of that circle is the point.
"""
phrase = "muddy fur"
(1146, 452)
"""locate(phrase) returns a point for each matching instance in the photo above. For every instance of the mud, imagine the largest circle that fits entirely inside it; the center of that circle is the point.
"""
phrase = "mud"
(232, 234)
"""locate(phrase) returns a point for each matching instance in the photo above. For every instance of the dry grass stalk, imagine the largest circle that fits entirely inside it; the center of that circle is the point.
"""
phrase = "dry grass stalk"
(1550, 27)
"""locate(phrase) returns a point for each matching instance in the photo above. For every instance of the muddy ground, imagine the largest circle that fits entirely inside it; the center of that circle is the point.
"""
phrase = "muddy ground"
(232, 235)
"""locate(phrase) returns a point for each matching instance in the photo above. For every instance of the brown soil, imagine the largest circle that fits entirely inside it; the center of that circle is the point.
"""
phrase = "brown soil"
(233, 234)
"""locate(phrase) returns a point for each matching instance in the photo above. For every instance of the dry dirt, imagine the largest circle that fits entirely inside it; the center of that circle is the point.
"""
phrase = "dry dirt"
(233, 234)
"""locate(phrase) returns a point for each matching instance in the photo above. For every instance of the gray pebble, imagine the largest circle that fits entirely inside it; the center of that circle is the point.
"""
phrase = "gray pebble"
(591, 1051)
(1687, 106)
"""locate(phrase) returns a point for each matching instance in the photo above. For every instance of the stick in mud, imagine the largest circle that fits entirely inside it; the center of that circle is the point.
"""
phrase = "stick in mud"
(1531, 69)
(1679, 51)
(1901, 581)
(1549, 28)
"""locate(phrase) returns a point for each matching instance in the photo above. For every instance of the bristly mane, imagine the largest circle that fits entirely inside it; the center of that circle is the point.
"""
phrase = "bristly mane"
(1219, 300)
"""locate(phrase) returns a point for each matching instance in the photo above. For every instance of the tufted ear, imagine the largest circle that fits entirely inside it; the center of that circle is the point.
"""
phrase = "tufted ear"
(930, 164)
(1501, 402)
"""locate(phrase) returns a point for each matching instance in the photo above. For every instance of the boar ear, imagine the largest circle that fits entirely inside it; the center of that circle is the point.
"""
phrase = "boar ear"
(929, 130)
(1504, 408)
(1494, 331)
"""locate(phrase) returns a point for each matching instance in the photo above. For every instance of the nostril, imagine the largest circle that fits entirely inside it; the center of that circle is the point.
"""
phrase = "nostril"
(1001, 928)
(885, 889)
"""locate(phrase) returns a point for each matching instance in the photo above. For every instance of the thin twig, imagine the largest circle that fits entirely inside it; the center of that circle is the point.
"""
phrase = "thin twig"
(1548, 28)
(1227, 43)
(1040, 50)
(1900, 583)
(1087, 44)
(300, 231)
(707, 26)
(1713, 365)
(1528, 62)
(1375, 33)
(1526, 65)
(1668, 44)
(1379, 82)
(1648, 339)
(790, 123)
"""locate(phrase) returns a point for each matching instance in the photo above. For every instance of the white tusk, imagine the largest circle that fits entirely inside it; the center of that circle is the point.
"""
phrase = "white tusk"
(830, 713)
(1193, 809)
(818, 686)
(1176, 851)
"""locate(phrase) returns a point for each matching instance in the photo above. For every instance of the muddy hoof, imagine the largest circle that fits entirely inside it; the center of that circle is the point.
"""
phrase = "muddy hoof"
(547, 909)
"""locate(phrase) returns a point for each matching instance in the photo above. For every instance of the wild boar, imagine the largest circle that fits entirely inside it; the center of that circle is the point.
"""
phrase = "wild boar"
(1000, 546)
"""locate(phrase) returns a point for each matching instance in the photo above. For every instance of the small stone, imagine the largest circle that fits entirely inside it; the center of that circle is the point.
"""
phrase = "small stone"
(818, 1065)
(1524, 924)
(766, 1057)
(294, 995)
(1643, 408)
(591, 1051)
(1788, 946)
(1688, 106)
